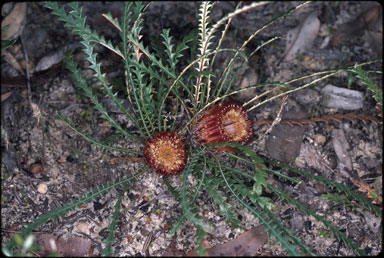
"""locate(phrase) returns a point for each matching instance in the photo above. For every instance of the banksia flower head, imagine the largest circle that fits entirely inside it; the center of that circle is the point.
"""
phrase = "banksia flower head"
(225, 122)
(166, 153)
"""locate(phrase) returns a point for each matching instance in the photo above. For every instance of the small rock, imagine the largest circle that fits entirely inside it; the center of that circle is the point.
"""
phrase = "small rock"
(42, 188)
(307, 97)
(82, 227)
(373, 222)
(319, 139)
(335, 97)
(36, 168)
(297, 221)
(300, 162)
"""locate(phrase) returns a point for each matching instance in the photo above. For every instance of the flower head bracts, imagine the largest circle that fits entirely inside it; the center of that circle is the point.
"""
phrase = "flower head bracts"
(225, 122)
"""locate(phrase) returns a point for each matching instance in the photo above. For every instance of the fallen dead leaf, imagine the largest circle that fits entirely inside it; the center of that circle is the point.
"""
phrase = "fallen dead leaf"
(15, 19)
(74, 246)
(247, 244)
(6, 95)
(37, 79)
(375, 41)
(24, 65)
(284, 141)
(50, 60)
(302, 37)
(313, 159)
(341, 147)
(172, 250)
(10, 59)
(368, 22)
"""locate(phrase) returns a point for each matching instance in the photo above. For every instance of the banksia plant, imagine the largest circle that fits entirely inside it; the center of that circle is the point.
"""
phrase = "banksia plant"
(166, 153)
(169, 103)
(225, 122)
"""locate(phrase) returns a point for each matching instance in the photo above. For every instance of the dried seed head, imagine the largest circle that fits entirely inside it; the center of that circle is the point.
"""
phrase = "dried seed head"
(166, 153)
(225, 122)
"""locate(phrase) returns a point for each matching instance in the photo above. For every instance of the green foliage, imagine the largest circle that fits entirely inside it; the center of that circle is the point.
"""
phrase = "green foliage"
(269, 219)
(92, 140)
(155, 83)
(201, 235)
(340, 235)
(339, 199)
(352, 195)
(276, 228)
(188, 209)
(363, 75)
(76, 75)
(218, 195)
(112, 227)
(324, 232)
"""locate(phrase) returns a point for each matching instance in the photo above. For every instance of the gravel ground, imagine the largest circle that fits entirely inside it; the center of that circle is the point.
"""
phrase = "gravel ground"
(45, 163)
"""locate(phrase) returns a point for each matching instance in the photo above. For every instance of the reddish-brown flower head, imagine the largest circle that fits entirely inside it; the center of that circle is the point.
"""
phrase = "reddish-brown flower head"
(166, 153)
(225, 122)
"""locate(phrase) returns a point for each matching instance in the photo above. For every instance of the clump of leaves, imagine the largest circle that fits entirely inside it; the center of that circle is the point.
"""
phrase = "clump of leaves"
(167, 98)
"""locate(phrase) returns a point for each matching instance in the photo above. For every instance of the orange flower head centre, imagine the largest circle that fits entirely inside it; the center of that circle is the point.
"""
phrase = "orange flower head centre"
(166, 153)
(235, 125)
